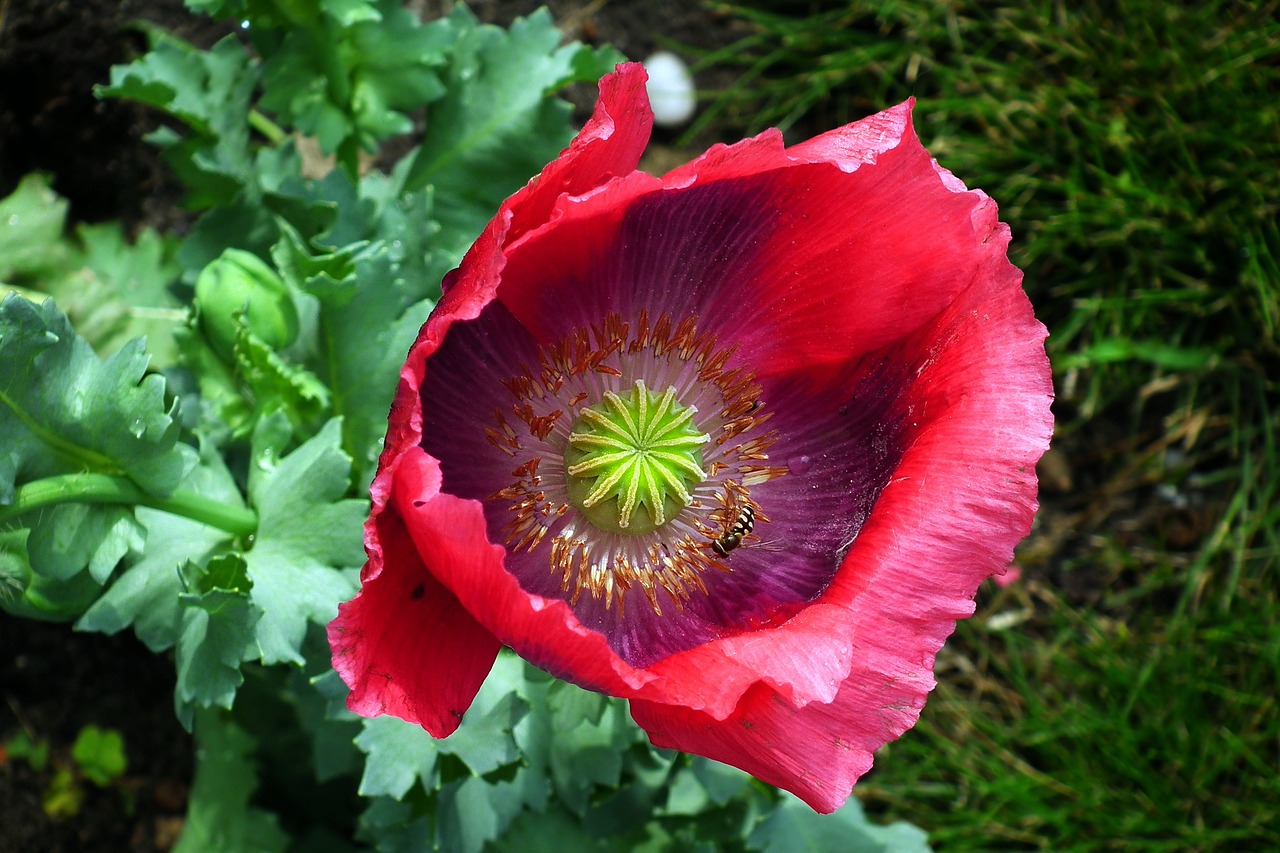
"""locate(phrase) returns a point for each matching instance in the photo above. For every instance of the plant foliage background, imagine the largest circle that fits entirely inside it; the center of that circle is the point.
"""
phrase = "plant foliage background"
(1122, 696)
(205, 489)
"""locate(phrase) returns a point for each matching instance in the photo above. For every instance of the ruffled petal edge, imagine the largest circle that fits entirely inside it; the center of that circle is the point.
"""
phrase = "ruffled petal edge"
(962, 497)
(404, 644)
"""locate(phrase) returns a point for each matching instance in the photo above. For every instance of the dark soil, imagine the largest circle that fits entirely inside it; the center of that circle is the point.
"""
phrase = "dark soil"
(55, 682)
(52, 54)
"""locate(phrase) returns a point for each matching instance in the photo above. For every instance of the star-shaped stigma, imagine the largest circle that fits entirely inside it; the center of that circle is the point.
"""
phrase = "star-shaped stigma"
(642, 448)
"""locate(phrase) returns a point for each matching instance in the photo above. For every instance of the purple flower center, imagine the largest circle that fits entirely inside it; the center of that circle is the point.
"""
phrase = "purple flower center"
(748, 549)
(636, 452)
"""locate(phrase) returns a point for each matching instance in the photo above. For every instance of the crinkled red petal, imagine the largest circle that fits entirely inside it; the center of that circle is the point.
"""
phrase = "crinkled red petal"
(451, 535)
(806, 261)
(609, 145)
(404, 644)
(854, 244)
(962, 497)
(814, 752)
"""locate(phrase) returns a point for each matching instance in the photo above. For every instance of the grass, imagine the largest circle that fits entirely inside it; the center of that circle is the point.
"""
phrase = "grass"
(1123, 696)
(1078, 730)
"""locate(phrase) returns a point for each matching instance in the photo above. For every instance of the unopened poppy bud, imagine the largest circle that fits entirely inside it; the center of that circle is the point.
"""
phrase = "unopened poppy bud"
(240, 289)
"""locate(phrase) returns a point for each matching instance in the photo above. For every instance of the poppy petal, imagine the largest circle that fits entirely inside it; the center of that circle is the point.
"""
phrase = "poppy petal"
(405, 645)
(961, 498)
(817, 752)
(451, 535)
(608, 146)
(808, 260)
(849, 293)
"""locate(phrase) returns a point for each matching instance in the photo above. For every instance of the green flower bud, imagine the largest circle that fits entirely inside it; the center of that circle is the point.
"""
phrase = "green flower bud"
(238, 289)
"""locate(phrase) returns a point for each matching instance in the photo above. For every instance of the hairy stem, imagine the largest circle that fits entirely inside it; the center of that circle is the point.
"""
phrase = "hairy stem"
(275, 134)
(107, 489)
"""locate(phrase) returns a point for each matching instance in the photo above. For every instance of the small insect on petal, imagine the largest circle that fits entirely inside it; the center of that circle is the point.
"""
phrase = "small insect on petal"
(741, 528)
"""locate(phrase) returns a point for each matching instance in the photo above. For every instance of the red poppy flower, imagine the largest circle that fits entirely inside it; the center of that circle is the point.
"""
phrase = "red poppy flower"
(737, 444)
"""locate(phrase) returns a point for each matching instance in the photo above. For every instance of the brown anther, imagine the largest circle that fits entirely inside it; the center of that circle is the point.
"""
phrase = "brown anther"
(612, 347)
(651, 594)
(741, 406)
(739, 383)
(735, 427)
(641, 339)
(763, 474)
(541, 426)
(509, 493)
(756, 448)
(714, 365)
(661, 335)
(528, 469)
(727, 378)
(614, 334)
(706, 348)
(521, 386)
(684, 337)
(499, 441)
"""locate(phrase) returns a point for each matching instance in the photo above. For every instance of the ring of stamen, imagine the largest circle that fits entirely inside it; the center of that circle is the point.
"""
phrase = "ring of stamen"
(632, 488)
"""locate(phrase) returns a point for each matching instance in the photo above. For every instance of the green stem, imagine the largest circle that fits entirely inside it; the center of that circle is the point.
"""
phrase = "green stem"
(268, 128)
(106, 489)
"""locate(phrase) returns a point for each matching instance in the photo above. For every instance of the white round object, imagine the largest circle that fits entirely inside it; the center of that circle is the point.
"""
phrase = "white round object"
(670, 89)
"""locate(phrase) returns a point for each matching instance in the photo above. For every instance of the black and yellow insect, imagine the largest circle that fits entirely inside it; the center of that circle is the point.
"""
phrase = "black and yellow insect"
(741, 528)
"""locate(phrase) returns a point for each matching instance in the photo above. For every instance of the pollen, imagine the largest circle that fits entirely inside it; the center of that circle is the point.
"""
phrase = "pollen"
(634, 448)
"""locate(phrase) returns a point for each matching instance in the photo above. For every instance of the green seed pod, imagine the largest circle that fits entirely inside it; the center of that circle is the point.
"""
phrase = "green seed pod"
(239, 289)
